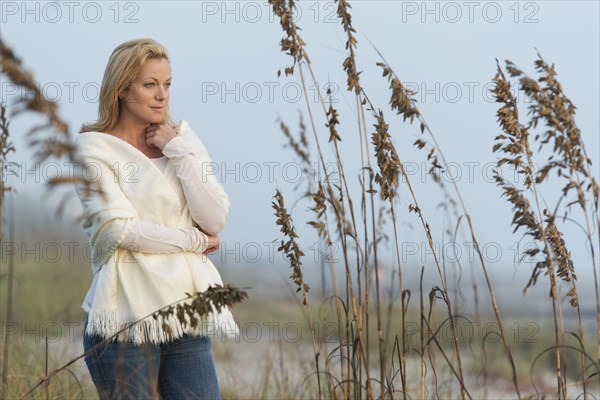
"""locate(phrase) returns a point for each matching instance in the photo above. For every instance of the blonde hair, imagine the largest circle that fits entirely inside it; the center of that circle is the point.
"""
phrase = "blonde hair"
(122, 69)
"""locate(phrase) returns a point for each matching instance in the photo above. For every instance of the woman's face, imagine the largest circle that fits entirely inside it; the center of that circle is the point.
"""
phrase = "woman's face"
(149, 93)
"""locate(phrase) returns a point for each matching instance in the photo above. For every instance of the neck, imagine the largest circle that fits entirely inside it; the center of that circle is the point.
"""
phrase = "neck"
(133, 131)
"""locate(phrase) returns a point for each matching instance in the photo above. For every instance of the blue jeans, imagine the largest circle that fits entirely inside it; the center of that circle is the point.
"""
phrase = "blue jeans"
(181, 369)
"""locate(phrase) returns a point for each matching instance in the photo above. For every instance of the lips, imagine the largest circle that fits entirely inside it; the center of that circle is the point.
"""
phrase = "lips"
(159, 109)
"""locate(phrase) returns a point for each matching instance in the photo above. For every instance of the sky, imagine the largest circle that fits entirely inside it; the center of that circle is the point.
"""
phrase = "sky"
(225, 56)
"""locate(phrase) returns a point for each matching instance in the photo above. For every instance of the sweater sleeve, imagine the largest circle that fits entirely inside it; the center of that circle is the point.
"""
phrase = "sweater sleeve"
(207, 201)
(148, 237)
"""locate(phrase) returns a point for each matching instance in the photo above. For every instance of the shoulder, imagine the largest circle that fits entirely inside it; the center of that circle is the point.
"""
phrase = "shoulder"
(83, 136)
(93, 137)
(89, 141)
(97, 147)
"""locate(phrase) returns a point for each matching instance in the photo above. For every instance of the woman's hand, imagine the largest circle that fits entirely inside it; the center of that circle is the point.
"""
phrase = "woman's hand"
(159, 135)
(213, 244)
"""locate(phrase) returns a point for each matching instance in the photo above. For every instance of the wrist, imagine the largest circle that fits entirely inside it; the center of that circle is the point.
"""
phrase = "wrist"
(176, 147)
(200, 240)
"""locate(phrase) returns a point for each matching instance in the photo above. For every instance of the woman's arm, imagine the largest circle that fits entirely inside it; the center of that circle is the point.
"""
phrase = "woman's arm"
(148, 237)
(208, 204)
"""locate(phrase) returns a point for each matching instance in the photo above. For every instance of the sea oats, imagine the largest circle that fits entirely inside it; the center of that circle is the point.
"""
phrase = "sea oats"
(58, 146)
(387, 159)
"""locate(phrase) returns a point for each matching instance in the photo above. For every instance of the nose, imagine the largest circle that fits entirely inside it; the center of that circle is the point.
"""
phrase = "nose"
(161, 93)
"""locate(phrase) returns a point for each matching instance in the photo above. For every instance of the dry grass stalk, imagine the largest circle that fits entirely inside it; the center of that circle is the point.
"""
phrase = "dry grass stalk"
(569, 158)
(320, 209)
(290, 248)
(551, 106)
(293, 43)
(353, 84)
(58, 146)
(200, 304)
(302, 151)
(12, 67)
(322, 227)
(300, 148)
(5, 148)
(514, 143)
(349, 63)
(388, 162)
(387, 159)
(292, 251)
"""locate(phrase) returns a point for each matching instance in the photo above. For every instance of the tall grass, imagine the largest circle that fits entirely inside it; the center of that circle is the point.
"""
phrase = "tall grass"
(59, 145)
(333, 205)
(5, 148)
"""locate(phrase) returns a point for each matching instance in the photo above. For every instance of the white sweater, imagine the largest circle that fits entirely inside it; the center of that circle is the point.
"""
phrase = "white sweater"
(204, 198)
(129, 284)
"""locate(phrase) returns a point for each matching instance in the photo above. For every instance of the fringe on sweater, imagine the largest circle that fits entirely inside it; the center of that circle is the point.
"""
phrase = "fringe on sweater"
(162, 329)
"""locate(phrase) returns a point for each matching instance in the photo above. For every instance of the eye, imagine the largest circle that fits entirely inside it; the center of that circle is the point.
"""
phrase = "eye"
(149, 83)
(169, 84)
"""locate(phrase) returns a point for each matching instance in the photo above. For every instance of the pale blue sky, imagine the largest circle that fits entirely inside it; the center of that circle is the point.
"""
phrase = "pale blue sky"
(220, 50)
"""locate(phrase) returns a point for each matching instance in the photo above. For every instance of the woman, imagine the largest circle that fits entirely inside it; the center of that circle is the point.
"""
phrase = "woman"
(158, 213)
